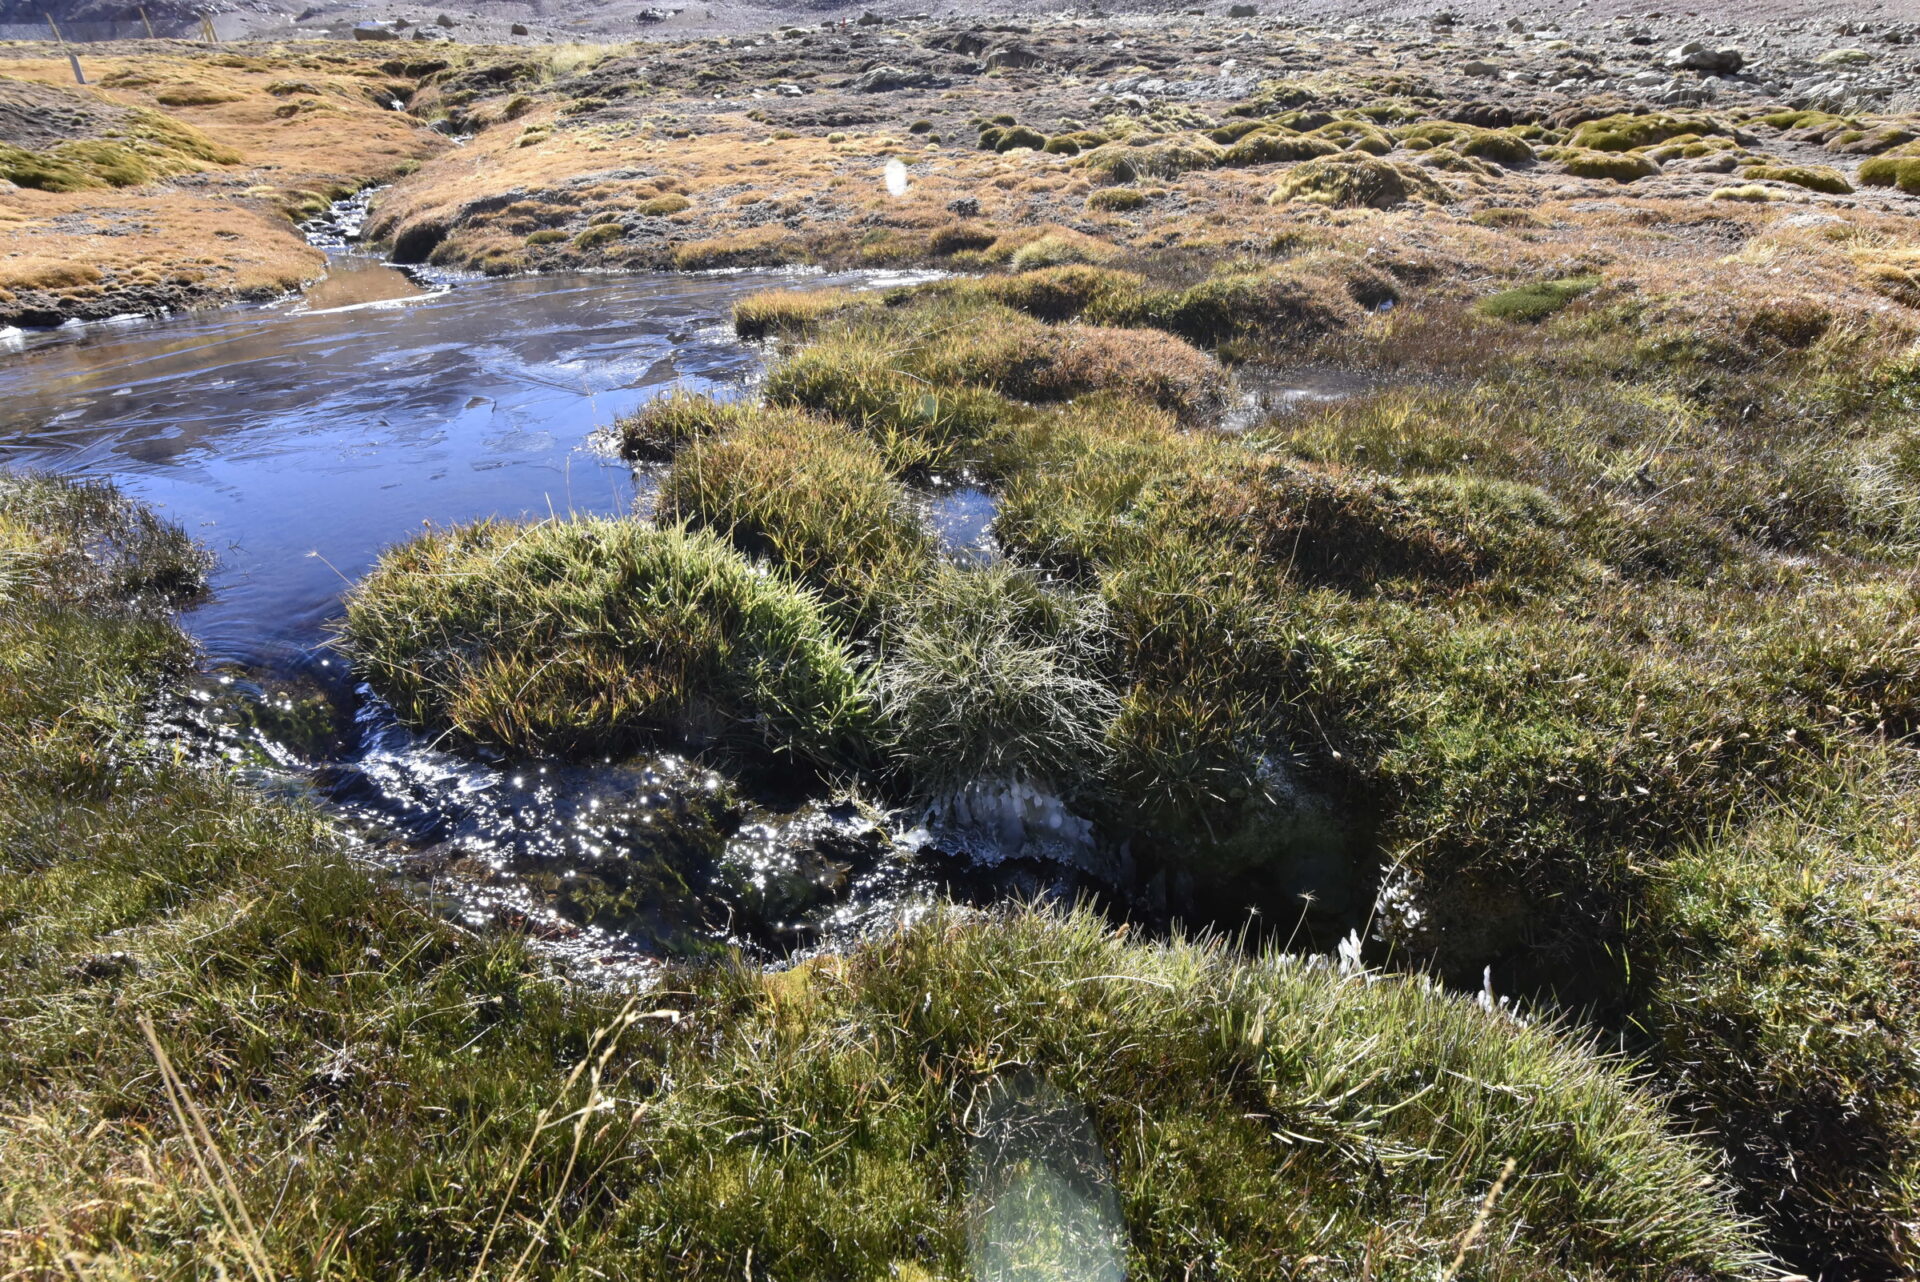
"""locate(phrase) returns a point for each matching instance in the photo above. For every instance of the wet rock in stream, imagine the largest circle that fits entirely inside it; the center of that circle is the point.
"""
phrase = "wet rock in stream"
(611, 863)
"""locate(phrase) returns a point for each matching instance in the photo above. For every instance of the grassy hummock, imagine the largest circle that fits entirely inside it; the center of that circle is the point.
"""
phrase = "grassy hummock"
(814, 496)
(601, 636)
(1537, 300)
(1474, 656)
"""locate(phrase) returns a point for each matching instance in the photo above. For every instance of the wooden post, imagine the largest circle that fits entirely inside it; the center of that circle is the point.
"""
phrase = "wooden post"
(57, 37)
(146, 21)
(74, 58)
(206, 29)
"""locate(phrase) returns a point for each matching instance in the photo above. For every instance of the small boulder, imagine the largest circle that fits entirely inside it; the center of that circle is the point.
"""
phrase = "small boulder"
(1696, 55)
(374, 31)
(445, 20)
(519, 28)
(869, 19)
(1243, 11)
(1013, 55)
(886, 79)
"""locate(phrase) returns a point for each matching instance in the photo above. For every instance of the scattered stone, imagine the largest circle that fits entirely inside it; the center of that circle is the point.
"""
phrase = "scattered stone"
(869, 19)
(374, 31)
(1243, 11)
(1844, 58)
(1476, 67)
(104, 967)
(1812, 219)
(970, 43)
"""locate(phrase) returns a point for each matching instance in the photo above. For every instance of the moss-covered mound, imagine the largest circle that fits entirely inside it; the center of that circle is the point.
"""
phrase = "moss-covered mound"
(1586, 162)
(597, 635)
(1115, 200)
(1500, 146)
(1277, 146)
(1356, 180)
(1822, 178)
(1892, 171)
(1536, 301)
(1631, 132)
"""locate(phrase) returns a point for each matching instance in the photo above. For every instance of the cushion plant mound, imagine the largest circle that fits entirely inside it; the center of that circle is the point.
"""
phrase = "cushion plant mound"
(1621, 166)
(1356, 180)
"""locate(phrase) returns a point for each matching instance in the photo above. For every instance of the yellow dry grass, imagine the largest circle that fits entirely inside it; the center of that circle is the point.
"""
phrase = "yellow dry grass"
(307, 128)
(206, 245)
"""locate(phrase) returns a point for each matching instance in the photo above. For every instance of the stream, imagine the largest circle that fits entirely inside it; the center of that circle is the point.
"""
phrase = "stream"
(299, 439)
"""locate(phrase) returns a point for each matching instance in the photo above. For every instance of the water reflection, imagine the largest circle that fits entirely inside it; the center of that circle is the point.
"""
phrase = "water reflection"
(298, 442)
(961, 517)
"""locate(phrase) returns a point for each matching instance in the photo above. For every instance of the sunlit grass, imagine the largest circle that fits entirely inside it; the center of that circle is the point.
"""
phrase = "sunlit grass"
(598, 635)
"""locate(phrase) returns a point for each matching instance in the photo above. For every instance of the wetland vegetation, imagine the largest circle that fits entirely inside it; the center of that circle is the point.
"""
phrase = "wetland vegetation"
(1499, 774)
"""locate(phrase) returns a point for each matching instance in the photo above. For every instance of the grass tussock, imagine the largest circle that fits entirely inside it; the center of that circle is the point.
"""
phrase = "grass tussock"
(814, 496)
(990, 674)
(658, 430)
(788, 312)
(602, 636)
(933, 375)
